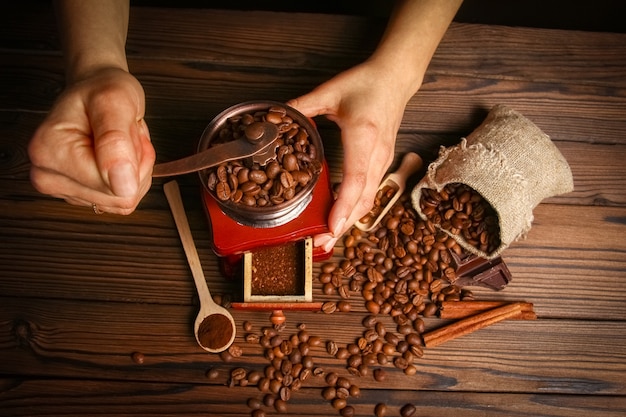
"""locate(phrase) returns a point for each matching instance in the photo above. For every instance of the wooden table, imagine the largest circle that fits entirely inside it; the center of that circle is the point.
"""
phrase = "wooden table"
(80, 293)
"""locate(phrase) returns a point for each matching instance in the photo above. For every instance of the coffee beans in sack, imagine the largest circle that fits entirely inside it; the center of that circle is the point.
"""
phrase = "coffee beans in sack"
(483, 190)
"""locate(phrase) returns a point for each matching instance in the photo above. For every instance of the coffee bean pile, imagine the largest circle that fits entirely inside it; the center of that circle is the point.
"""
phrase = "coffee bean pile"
(292, 361)
(403, 267)
(462, 211)
(377, 347)
(339, 389)
(295, 163)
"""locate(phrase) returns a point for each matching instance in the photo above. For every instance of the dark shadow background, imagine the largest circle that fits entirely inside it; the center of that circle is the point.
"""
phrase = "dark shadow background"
(594, 15)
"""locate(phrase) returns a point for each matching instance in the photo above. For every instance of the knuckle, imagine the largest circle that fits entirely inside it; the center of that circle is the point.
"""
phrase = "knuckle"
(38, 179)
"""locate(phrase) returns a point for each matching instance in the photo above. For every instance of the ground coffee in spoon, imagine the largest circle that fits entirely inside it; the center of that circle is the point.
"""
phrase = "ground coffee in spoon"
(215, 331)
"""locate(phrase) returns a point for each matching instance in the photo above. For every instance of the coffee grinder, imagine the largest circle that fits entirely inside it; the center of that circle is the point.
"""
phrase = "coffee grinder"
(256, 243)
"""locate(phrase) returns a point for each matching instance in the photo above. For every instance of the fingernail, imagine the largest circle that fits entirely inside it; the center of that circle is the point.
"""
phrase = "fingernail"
(330, 245)
(321, 240)
(338, 228)
(123, 180)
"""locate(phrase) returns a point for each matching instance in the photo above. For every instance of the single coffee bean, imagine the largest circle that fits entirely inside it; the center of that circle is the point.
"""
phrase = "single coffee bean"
(354, 361)
(343, 382)
(315, 341)
(254, 376)
(344, 291)
(138, 358)
(372, 306)
(305, 374)
(370, 321)
(344, 306)
(296, 384)
(329, 393)
(410, 370)
(342, 353)
(389, 349)
(331, 378)
(212, 373)
(430, 310)
(408, 410)
(400, 363)
(285, 393)
(222, 191)
(380, 374)
(339, 403)
(402, 346)
(268, 400)
(274, 117)
(347, 411)
(329, 307)
(380, 410)
(275, 386)
(254, 403)
(238, 374)
(290, 162)
(264, 384)
(280, 405)
(226, 356)
(353, 348)
(331, 347)
(287, 380)
(342, 393)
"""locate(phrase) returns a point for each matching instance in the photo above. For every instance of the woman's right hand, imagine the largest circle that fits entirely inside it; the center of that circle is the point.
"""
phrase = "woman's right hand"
(93, 149)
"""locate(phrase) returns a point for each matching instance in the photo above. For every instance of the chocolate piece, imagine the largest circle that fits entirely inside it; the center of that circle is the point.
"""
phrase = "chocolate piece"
(473, 270)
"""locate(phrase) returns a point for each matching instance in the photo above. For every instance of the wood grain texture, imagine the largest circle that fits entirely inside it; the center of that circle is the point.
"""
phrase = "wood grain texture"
(183, 399)
(95, 340)
(80, 293)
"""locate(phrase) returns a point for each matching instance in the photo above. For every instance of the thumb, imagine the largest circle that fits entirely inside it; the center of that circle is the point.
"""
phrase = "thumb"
(315, 103)
(115, 151)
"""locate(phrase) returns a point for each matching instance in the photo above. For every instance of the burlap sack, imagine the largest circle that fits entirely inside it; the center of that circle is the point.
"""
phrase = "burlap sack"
(511, 163)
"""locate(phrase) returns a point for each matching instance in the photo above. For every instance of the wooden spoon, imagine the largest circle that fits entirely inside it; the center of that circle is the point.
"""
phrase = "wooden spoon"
(396, 183)
(214, 326)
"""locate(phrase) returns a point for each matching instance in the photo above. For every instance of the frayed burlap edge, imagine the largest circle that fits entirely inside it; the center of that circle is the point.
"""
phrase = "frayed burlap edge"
(515, 222)
(511, 163)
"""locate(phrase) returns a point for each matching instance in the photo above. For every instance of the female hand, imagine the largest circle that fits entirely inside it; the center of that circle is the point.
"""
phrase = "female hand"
(94, 148)
(367, 103)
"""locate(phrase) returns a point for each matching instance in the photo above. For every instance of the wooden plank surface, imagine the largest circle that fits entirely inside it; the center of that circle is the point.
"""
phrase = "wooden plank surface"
(564, 278)
(175, 399)
(79, 294)
(96, 339)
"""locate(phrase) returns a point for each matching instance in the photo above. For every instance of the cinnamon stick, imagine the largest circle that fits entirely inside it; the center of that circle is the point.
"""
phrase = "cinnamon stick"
(463, 309)
(471, 324)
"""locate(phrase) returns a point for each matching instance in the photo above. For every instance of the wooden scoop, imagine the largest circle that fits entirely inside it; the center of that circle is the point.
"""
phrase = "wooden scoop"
(214, 326)
(393, 183)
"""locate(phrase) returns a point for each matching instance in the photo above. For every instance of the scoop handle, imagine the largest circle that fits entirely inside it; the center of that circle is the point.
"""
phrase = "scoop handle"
(411, 163)
(172, 192)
